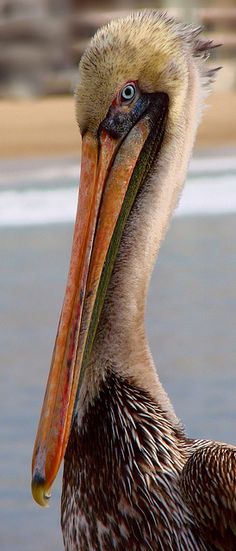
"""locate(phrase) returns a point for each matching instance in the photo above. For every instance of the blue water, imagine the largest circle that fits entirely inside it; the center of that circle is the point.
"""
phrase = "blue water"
(191, 324)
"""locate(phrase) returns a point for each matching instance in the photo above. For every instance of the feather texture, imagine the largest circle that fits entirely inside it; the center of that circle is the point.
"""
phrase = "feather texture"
(121, 477)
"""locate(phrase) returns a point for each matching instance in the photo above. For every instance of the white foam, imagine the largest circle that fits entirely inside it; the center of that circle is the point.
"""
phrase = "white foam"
(208, 191)
(215, 165)
(15, 176)
(208, 196)
(48, 175)
(33, 207)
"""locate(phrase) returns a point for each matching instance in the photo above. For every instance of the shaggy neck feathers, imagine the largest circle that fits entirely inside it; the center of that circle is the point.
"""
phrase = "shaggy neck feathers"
(166, 56)
(121, 343)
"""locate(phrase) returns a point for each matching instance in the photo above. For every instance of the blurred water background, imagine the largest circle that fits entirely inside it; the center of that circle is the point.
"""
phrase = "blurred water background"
(192, 301)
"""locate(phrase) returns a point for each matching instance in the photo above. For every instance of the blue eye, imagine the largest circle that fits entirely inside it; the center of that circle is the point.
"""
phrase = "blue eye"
(128, 93)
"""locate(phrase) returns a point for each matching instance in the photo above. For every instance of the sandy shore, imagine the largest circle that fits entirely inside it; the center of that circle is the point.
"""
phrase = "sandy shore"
(47, 126)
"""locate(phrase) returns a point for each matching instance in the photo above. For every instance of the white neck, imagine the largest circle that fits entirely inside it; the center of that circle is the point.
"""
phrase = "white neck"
(121, 343)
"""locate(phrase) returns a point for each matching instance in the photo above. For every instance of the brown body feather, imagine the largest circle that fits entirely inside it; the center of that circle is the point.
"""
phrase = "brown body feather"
(121, 486)
(133, 482)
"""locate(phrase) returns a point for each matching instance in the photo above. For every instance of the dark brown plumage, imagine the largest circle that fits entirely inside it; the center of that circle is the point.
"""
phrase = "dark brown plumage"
(133, 482)
(208, 483)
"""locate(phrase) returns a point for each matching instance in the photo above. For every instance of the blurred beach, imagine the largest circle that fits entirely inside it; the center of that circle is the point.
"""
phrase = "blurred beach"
(192, 300)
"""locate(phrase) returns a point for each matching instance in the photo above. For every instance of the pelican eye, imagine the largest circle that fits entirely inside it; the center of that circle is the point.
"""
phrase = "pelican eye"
(128, 93)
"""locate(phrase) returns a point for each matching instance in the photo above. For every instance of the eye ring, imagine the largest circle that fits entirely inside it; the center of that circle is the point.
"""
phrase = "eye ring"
(128, 93)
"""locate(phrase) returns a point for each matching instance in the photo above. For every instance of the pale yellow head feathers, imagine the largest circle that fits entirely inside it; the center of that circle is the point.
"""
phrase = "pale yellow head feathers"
(146, 46)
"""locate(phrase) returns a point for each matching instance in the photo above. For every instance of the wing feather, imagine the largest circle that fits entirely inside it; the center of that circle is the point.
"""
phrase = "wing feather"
(208, 484)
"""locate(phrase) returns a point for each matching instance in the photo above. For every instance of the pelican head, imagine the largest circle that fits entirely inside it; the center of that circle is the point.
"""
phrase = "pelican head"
(137, 105)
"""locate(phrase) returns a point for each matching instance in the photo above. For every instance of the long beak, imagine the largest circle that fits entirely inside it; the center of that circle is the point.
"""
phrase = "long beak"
(106, 171)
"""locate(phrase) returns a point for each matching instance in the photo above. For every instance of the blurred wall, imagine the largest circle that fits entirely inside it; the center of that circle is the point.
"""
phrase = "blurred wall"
(41, 41)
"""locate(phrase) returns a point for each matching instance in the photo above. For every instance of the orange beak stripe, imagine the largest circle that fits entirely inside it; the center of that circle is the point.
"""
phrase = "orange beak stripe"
(105, 177)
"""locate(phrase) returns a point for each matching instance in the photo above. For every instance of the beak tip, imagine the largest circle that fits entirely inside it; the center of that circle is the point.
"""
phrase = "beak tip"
(40, 492)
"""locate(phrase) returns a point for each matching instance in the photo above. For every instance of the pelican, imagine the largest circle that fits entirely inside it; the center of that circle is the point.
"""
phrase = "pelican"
(133, 480)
